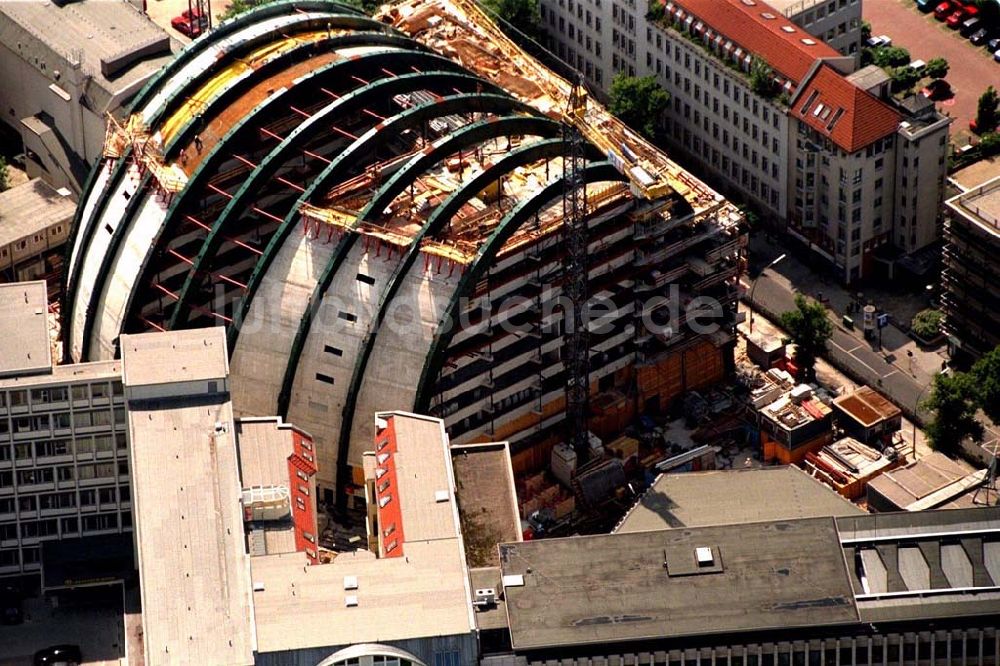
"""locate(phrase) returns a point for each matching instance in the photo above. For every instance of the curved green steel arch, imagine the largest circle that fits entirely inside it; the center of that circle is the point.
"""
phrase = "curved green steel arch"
(169, 220)
(271, 163)
(226, 28)
(89, 228)
(404, 44)
(443, 214)
(444, 106)
(595, 172)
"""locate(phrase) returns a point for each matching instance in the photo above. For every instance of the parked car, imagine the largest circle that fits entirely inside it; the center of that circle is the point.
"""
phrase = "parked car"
(943, 11)
(937, 89)
(191, 23)
(993, 44)
(926, 5)
(996, 55)
(954, 20)
(970, 26)
(68, 655)
(979, 37)
(874, 42)
(918, 66)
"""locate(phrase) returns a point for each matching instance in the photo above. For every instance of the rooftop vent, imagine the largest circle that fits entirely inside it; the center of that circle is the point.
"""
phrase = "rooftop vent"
(749, 3)
(486, 596)
(441, 495)
(351, 601)
(703, 555)
(788, 28)
(513, 580)
(768, 15)
(350, 582)
(808, 42)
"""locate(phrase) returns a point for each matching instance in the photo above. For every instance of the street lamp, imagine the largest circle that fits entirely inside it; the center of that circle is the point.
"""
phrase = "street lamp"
(753, 286)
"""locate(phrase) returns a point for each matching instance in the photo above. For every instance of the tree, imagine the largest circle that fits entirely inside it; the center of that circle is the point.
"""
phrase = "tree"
(4, 175)
(656, 11)
(986, 375)
(762, 79)
(809, 328)
(891, 56)
(986, 110)
(937, 68)
(237, 7)
(926, 324)
(866, 30)
(954, 401)
(989, 144)
(638, 102)
(523, 15)
(903, 78)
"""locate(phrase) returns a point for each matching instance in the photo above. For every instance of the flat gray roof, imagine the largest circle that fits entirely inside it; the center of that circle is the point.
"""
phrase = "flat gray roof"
(980, 205)
(178, 356)
(930, 482)
(698, 499)
(24, 329)
(51, 38)
(611, 588)
(31, 208)
(194, 571)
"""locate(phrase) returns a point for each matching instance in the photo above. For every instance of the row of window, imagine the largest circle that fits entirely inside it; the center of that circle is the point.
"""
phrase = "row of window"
(45, 423)
(71, 525)
(40, 397)
(46, 475)
(71, 499)
(81, 445)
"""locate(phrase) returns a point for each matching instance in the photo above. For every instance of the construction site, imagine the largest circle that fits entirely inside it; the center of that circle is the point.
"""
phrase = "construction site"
(404, 212)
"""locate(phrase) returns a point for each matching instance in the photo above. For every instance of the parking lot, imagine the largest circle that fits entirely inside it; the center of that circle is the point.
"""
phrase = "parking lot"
(972, 67)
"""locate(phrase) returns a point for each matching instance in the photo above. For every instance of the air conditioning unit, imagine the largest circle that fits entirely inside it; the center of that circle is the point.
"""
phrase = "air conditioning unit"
(486, 596)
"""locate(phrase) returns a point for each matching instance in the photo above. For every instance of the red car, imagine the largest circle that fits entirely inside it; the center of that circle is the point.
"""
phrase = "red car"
(942, 11)
(190, 23)
(955, 20)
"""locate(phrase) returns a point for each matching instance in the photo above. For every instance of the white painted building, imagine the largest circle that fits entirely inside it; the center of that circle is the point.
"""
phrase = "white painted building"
(828, 157)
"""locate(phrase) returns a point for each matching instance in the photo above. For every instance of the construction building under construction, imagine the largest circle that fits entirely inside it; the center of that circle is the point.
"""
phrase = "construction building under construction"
(374, 209)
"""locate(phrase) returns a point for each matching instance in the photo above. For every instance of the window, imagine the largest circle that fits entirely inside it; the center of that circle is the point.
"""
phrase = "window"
(326, 379)
(347, 316)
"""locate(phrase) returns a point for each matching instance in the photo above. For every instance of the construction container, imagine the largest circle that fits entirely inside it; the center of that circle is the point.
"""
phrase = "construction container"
(563, 463)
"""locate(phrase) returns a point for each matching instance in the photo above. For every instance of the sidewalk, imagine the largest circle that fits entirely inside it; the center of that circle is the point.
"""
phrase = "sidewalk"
(795, 276)
(914, 443)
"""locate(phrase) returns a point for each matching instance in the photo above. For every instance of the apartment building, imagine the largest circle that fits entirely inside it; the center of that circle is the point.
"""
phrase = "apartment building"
(825, 154)
(63, 442)
(35, 220)
(971, 276)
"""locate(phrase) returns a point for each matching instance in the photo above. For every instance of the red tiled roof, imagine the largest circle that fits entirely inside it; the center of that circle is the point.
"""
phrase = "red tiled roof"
(863, 118)
(743, 23)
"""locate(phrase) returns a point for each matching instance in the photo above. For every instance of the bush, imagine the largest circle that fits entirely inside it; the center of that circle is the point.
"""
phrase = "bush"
(989, 144)
(903, 78)
(926, 324)
(891, 56)
(762, 80)
(937, 68)
(986, 110)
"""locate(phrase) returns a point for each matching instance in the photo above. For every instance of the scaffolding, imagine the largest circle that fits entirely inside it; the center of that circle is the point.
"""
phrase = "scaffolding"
(463, 29)
(146, 152)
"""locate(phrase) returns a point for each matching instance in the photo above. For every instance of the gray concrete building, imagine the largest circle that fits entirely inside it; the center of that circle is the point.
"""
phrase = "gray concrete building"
(64, 469)
(63, 68)
(35, 221)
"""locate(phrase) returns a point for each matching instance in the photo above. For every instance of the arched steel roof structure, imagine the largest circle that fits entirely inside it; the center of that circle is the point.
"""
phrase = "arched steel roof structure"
(341, 197)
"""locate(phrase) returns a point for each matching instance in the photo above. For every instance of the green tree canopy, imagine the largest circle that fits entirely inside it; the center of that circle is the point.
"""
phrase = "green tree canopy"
(937, 68)
(986, 110)
(903, 78)
(809, 328)
(762, 79)
(954, 401)
(524, 15)
(891, 56)
(638, 102)
(927, 323)
(986, 375)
